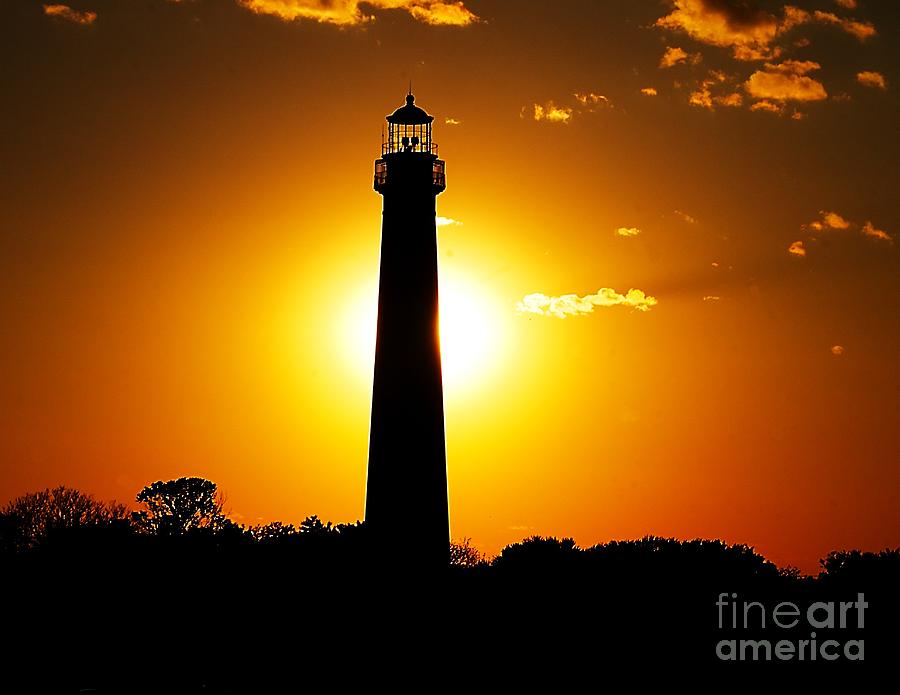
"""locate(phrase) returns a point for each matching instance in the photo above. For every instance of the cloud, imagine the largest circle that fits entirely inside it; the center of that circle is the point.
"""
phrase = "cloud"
(451, 121)
(837, 350)
(737, 24)
(446, 222)
(869, 230)
(766, 105)
(673, 56)
(711, 298)
(734, 99)
(592, 102)
(573, 305)
(829, 220)
(552, 113)
(833, 220)
(628, 231)
(797, 249)
(861, 30)
(649, 91)
(586, 102)
(755, 33)
(704, 97)
(701, 97)
(67, 13)
(870, 78)
(687, 218)
(786, 81)
(750, 32)
(348, 12)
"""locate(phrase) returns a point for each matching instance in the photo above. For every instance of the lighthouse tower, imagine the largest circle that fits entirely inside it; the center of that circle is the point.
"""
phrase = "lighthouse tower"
(406, 486)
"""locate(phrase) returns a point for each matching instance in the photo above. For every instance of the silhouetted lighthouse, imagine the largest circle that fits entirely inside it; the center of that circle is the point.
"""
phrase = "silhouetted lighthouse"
(406, 488)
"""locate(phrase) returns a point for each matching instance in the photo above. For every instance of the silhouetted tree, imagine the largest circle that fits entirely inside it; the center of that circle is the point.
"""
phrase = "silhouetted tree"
(314, 525)
(272, 532)
(26, 521)
(463, 554)
(857, 566)
(790, 571)
(177, 507)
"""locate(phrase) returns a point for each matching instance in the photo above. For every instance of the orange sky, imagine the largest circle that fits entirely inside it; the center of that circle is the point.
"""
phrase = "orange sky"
(189, 251)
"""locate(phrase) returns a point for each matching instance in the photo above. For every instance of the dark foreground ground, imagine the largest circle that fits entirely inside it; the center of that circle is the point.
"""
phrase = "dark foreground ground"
(199, 614)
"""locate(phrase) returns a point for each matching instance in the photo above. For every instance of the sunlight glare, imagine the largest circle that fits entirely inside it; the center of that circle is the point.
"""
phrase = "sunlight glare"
(469, 330)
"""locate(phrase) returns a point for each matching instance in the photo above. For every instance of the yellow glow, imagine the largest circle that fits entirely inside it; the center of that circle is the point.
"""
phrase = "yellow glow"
(470, 332)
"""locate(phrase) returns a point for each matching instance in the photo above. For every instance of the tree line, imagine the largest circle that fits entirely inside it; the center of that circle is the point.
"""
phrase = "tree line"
(193, 507)
(177, 592)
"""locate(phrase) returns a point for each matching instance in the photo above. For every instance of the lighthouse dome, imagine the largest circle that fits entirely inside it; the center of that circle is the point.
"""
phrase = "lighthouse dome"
(410, 114)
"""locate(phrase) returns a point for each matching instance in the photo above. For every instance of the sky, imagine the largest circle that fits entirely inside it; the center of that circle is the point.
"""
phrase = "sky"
(668, 257)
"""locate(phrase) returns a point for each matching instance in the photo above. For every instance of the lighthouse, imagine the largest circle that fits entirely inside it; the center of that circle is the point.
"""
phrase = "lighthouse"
(406, 484)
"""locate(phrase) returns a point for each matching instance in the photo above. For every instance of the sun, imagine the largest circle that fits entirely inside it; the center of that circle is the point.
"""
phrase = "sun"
(470, 332)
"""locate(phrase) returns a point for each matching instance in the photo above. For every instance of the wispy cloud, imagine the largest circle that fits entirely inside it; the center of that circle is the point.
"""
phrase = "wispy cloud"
(870, 78)
(628, 231)
(574, 305)
(451, 121)
(684, 216)
(349, 12)
(869, 230)
(828, 222)
(586, 102)
(861, 30)
(446, 222)
(67, 13)
(592, 102)
(766, 105)
(649, 91)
